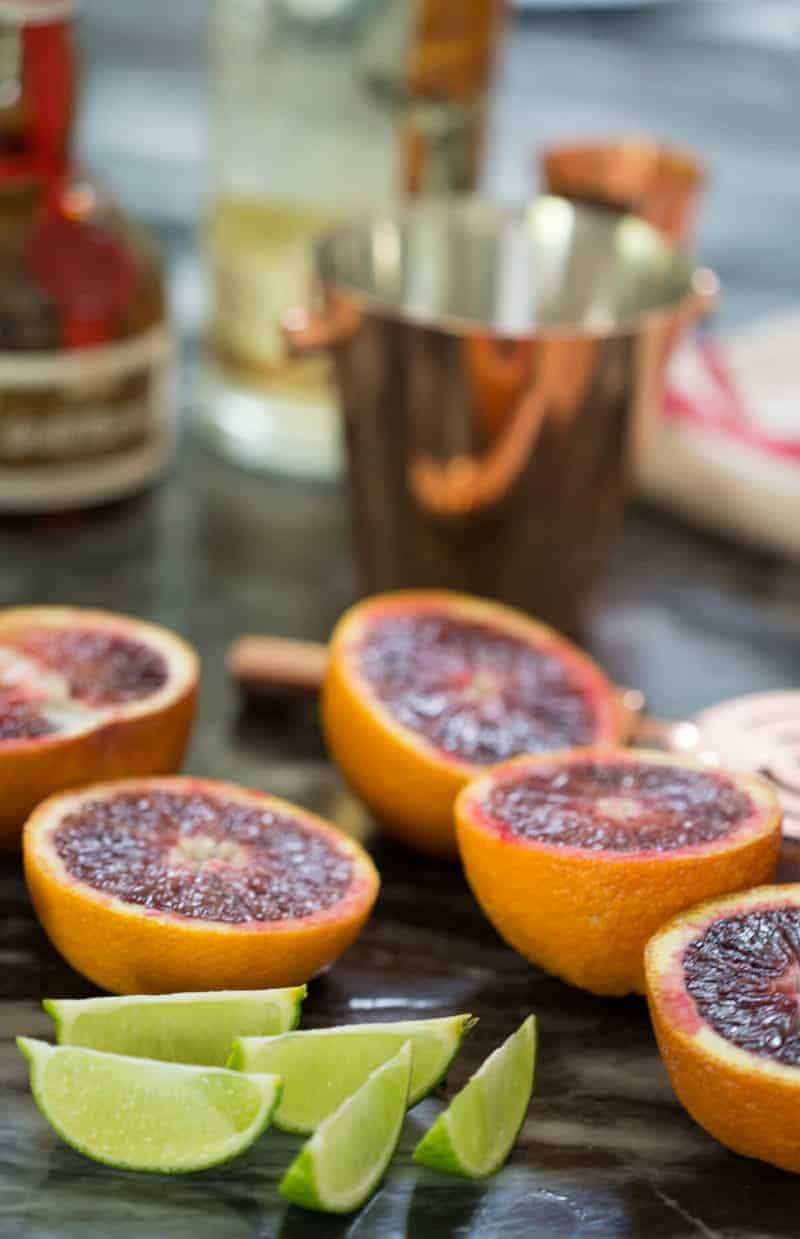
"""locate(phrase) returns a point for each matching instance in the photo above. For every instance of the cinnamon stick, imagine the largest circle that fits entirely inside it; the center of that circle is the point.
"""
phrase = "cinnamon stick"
(277, 666)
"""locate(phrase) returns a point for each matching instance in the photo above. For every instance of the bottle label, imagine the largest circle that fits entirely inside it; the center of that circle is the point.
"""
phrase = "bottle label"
(85, 426)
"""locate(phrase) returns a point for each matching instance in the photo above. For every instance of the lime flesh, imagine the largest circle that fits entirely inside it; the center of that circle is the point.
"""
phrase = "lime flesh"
(477, 1131)
(338, 1169)
(138, 1114)
(176, 1028)
(322, 1067)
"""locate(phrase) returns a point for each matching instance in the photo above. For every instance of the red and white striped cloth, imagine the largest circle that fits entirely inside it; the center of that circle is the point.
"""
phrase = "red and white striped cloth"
(726, 451)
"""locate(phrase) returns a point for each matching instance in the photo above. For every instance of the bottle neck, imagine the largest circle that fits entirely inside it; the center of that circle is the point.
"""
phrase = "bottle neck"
(37, 91)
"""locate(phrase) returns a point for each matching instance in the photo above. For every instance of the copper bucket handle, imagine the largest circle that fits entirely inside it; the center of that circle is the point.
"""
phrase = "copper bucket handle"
(466, 484)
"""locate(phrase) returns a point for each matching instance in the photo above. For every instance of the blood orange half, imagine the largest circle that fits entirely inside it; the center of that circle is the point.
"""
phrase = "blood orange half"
(723, 984)
(425, 690)
(84, 696)
(161, 885)
(578, 858)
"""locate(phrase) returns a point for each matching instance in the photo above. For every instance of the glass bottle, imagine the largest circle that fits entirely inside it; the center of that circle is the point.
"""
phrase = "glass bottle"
(87, 397)
(320, 108)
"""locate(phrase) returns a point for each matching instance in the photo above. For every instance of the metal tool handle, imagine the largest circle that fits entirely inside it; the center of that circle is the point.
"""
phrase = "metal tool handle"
(309, 330)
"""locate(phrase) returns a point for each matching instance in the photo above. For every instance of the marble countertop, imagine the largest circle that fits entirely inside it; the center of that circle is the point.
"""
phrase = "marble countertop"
(606, 1150)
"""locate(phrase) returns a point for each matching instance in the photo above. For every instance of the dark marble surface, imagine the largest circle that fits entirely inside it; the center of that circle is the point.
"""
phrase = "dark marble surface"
(606, 1150)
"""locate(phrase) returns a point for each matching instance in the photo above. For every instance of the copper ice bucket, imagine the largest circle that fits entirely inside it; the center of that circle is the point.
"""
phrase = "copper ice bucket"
(493, 369)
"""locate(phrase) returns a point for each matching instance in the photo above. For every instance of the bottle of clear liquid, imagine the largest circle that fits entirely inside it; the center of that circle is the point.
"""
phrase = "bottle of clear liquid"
(320, 108)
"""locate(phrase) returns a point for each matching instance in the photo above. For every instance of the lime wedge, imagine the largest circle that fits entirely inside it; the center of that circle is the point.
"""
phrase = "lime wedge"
(177, 1028)
(139, 1114)
(346, 1158)
(476, 1133)
(322, 1066)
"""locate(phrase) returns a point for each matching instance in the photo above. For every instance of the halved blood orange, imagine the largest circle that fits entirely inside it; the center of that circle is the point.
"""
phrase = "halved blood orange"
(84, 696)
(424, 690)
(160, 885)
(578, 858)
(723, 984)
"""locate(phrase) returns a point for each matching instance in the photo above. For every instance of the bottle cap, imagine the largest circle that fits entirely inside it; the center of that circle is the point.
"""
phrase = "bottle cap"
(36, 12)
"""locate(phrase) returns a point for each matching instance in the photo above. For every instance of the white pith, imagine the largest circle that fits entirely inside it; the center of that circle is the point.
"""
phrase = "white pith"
(45, 689)
(197, 851)
(49, 691)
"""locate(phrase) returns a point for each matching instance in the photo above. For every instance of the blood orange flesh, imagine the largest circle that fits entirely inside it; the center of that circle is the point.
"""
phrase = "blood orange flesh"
(474, 692)
(425, 690)
(577, 858)
(743, 973)
(603, 805)
(154, 885)
(723, 983)
(202, 856)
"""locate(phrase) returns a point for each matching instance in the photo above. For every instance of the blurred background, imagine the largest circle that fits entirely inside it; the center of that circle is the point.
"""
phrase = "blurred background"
(718, 75)
(158, 121)
(718, 79)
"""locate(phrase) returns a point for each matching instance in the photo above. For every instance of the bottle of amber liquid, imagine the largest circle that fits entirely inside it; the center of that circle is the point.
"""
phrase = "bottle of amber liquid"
(87, 393)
